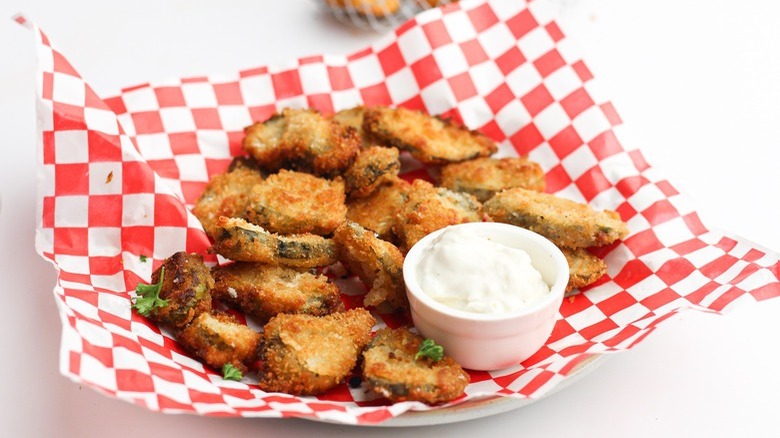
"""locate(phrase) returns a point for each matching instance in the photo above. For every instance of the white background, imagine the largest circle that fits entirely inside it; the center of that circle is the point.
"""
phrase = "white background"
(696, 82)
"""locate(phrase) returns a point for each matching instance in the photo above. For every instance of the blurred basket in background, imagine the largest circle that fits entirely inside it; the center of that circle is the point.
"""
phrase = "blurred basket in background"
(379, 15)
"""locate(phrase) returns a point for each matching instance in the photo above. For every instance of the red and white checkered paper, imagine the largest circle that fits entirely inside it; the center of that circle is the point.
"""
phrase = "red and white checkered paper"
(117, 175)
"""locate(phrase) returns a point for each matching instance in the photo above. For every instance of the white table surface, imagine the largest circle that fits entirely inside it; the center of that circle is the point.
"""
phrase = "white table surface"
(718, 62)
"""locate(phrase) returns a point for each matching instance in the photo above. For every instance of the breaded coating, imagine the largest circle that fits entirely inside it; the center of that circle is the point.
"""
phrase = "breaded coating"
(218, 339)
(369, 8)
(226, 193)
(377, 212)
(390, 370)
(240, 240)
(186, 286)
(264, 291)
(430, 139)
(291, 202)
(353, 117)
(430, 208)
(302, 139)
(308, 355)
(563, 221)
(378, 263)
(484, 177)
(584, 267)
(373, 167)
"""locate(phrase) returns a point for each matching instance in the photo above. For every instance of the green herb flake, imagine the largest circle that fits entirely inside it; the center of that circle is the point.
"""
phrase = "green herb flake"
(143, 258)
(429, 349)
(148, 296)
(229, 372)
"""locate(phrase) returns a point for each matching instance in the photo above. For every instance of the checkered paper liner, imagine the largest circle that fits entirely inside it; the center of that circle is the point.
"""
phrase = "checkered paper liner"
(117, 176)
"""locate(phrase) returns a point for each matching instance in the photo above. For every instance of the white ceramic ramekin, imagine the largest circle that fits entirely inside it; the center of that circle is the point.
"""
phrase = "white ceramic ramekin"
(491, 341)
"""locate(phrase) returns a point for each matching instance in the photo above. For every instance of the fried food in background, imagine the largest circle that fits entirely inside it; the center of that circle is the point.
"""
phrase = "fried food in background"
(375, 8)
(378, 263)
(584, 267)
(218, 339)
(484, 177)
(239, 240)
(264, 291)
(186, 286)
(563, 221)
(226, 193)
(308, 355)
(373, 167)
(391, 370)
(302, 139)
(377, 211)
(291, 202)
(353, 117)
(430, 139)
(428, 208)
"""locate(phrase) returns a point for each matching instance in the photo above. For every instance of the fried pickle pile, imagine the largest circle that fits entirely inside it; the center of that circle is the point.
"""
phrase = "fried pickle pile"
(318, 194)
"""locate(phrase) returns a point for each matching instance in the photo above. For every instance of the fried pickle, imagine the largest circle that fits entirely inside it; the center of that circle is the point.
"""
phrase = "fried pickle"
(584, 267)
(391, 370)
(186, 286)
(239, 240)
(218, 339)
(563, 221)
(370, 8)
(291, 202)
(353, 117)
(430, 208)
(264, 291)
(430, 139)
(308, 355)
(302, 139)
(484, 177)
(373, 167)
(378, 264)
(226, 193)
(377, 212)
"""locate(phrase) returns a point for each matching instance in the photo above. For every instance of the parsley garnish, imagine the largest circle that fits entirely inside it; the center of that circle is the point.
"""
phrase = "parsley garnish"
(429, 349)
(143, 258)
(147, 296)
(229, 372)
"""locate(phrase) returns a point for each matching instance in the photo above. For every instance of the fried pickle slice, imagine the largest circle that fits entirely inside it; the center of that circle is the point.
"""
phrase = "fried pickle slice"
(378, 263)
(186, 286)
(484, 177)
(373, 166)
(377, 211)
(302, 139)
(308, 355)
(226, 193)
(291, 202)
(563, 221)
(428, 208)
(430, 139)
(240, 240)
(353, 117)
(391, 370)
(264, 291)
(218, 338)
(584, 268)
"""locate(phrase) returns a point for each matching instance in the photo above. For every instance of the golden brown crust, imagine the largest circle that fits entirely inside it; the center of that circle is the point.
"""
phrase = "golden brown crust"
(226, 194)
(428, 208)
(378, 211)
(373, 167)
(353, 117)
(264, 291)
(218, 339)
(239, 240)
(375, 8)
(291, 202)
(431, 140)
(563, 221)
(390, 370)
(584, 268)
(308, 355)
(378, 264)
(186, 286)
(484, 177)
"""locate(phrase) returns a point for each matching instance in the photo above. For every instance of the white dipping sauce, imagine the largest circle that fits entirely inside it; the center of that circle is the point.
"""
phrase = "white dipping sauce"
(472, 273)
